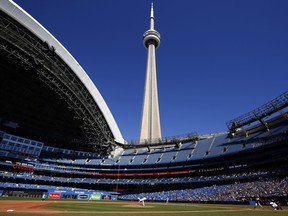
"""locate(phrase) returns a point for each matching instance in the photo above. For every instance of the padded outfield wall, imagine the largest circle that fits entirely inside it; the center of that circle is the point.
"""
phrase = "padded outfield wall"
(57, 194)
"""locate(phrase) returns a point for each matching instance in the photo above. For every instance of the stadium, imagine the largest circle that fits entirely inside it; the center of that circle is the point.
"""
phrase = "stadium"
(74, 150)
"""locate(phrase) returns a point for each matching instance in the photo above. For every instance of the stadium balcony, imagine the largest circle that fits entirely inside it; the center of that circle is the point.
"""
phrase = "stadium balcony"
(58, 181)
(218, 149)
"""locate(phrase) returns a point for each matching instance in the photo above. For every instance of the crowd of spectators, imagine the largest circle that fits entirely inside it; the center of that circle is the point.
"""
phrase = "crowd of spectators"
(238, 191)
(10, 185)
(219, 193)
(172, 180)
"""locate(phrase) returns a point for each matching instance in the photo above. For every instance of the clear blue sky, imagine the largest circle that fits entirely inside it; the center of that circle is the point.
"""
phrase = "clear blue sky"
(218, 59)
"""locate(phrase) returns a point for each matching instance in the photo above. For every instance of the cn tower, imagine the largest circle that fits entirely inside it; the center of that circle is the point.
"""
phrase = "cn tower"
(150, 130)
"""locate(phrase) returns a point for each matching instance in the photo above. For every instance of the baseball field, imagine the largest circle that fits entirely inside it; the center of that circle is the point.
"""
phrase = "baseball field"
(111, 208)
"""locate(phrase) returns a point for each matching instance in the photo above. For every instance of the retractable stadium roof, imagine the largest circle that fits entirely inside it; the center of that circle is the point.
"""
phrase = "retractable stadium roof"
(44, 92)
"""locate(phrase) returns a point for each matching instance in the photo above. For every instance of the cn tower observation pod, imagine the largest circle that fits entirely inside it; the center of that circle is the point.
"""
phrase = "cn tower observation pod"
(47, 95)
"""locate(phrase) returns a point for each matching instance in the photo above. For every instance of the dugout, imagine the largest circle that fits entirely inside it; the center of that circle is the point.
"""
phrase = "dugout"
(22, 193)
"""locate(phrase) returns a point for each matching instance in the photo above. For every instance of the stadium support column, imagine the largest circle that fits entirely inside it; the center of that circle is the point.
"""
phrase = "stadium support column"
(150, 130)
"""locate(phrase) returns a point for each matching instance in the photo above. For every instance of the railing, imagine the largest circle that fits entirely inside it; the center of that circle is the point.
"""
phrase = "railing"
(173, 140)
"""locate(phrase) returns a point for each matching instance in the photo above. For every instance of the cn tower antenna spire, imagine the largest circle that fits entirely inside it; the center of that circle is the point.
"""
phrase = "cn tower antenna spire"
(152, 11)
(150, 130)
(152, 17)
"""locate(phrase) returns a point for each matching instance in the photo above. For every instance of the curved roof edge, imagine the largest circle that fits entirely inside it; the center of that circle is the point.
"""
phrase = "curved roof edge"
(30, 23)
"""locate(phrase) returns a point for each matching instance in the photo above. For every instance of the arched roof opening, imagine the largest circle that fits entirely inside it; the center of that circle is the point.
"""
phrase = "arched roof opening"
(45, 93)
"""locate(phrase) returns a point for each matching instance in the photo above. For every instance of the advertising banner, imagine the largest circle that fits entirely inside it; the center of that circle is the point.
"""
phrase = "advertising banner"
(53, 195)
(114, 197)
(95, 197)
(106, 197)
(83, 196)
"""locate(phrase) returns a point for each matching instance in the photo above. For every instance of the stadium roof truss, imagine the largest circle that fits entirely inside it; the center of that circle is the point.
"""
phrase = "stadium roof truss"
(275, 105)
(24, 48)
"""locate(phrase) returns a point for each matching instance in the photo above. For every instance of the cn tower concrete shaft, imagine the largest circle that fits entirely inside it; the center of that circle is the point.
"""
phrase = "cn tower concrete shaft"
(150, 130)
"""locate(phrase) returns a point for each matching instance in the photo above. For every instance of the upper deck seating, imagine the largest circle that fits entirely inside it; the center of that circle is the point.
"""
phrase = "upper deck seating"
(201, 149)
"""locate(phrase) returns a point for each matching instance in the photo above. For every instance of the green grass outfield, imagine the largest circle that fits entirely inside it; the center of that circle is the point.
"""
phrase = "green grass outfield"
(113, 208)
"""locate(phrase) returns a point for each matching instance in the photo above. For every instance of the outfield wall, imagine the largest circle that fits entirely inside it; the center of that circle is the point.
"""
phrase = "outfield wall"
(80, 195)
(57, 194)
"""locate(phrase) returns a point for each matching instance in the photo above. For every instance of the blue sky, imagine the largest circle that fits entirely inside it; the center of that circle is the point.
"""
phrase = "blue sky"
(218, 59)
